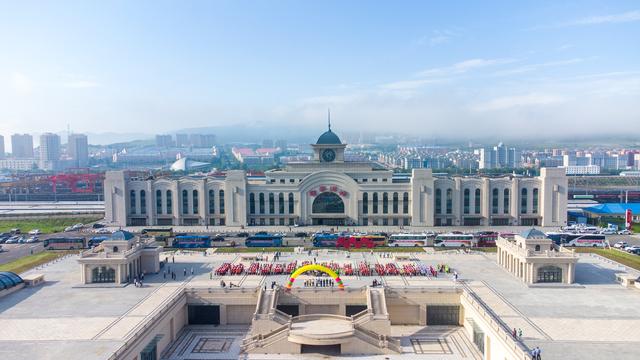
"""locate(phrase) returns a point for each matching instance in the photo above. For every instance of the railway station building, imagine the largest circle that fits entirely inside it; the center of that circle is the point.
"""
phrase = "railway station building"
(329, 190)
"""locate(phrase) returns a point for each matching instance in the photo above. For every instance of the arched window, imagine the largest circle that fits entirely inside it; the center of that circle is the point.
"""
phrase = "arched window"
(169, 202)
(281, 203)
(158, 202)
(477, 201)
(537, 247)
(449, 201)
(385, 203)
(467, 200)
(261, 202)
(405, 203)
(212, 202)
(375, 202)
(328, 203)
(523, 201)
(115, 249)
(291, 203)
(438, 201)
(494, 201)
(252, 203)
(272, 205)
(395, 203)
(365, 203)
(505, 201)
(195, 201)
(221, 200)
(535, 200)
(143, 202)
(185, 202)
(132, 201)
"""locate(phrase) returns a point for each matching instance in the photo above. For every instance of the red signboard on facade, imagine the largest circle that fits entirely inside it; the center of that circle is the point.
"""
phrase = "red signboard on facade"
(628, 218)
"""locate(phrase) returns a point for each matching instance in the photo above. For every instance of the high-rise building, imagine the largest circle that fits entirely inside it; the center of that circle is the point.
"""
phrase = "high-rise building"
(499, 157)
(1, 147)
(202, 140)
(22, 146)
(49, 151)
(487, 158)
(182, 140)
(514, 158)
(78, 149)
(164, 141)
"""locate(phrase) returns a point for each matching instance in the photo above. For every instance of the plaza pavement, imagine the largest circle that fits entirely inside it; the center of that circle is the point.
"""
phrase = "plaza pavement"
(595, 319)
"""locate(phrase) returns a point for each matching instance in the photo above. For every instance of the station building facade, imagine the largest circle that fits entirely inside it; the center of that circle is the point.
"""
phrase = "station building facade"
(331, 191)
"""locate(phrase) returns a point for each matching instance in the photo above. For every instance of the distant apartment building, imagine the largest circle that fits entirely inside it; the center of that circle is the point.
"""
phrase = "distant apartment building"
(49, 151)
(182, 140)
(22, 146)
(18, 164)
(281, 144)
(499, 157)
(582, 169)
(78, 150)
(1, 147)
(202, 140)
(164, 141)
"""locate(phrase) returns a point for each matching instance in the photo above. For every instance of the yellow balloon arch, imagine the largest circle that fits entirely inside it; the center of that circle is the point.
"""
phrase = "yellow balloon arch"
(316, 267)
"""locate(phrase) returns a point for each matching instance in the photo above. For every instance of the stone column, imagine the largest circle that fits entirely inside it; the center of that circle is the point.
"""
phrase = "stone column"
(223, 314)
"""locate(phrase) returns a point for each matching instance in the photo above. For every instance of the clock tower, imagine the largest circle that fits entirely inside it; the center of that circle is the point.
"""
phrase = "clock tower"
(328, 148)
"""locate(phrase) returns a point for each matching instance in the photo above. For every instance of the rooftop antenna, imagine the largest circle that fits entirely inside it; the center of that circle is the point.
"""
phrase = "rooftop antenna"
(329, 118)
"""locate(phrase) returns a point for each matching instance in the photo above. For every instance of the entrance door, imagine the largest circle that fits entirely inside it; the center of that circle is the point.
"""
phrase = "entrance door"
(293, 310)
(443, 315)
(204, 314)
(328, 221)
(354, 309)
(330, 350)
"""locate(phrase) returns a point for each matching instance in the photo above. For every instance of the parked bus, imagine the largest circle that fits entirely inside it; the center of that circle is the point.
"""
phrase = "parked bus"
(96, 240)
(486, 238)
(64, 243)
(578, 240)
(417, 240)
(325, 240)
(191, 241)
(361, 241)
(454, 240)
(263, 240)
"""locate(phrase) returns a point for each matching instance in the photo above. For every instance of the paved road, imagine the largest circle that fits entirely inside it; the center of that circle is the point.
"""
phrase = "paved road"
(15, 251)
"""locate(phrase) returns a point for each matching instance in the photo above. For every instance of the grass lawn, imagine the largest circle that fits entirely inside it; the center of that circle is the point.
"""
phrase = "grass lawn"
(46, 225)
(622, 257)
(482, 249)
(30, 261)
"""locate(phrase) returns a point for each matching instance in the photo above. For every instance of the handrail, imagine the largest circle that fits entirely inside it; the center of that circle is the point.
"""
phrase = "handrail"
(160, 311)
(382, 341)
(500, 326)
(309, 317)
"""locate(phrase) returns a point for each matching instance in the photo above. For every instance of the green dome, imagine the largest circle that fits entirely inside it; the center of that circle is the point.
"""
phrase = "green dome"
(328, 138)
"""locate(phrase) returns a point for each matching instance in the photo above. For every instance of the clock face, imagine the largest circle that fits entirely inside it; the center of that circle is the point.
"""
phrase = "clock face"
(328, 155)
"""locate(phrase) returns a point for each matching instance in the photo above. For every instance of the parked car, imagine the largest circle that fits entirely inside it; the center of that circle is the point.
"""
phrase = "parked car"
(636, 251)
(620, 245)
(69, 228)
(32, 239)
(78, 226)
(242, 234)
(13, 239)
(103, 231)
(607, 232)
(15, 231)
(625, 232)
(35, 232)
(632, 248)
(217, 238)
(98, 225)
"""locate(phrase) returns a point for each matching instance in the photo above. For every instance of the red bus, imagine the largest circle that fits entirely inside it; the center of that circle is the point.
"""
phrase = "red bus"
(486, 238)
(361, 241)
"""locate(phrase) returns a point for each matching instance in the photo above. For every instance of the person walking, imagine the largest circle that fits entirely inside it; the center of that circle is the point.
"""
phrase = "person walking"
(538, 353)
(514, 334)
(520, 333)
(164, 274)
(192, 270)
(184, 272)
(534, 354)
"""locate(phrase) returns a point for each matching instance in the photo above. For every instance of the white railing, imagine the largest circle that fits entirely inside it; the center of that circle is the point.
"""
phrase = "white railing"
(496, 324)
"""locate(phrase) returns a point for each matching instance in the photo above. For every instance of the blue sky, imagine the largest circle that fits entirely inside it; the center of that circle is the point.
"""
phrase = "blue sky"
(449, 68)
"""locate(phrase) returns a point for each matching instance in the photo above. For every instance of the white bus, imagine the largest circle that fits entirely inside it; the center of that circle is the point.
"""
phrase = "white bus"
(454, 240)
(417, 240)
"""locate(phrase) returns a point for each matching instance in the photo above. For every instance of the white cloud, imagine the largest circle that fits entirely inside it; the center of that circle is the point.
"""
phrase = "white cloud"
(463, 67)
(607, 19)
(534, 67)
(508, 102)
(81, 84)
(407, 84)
(21, 83)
